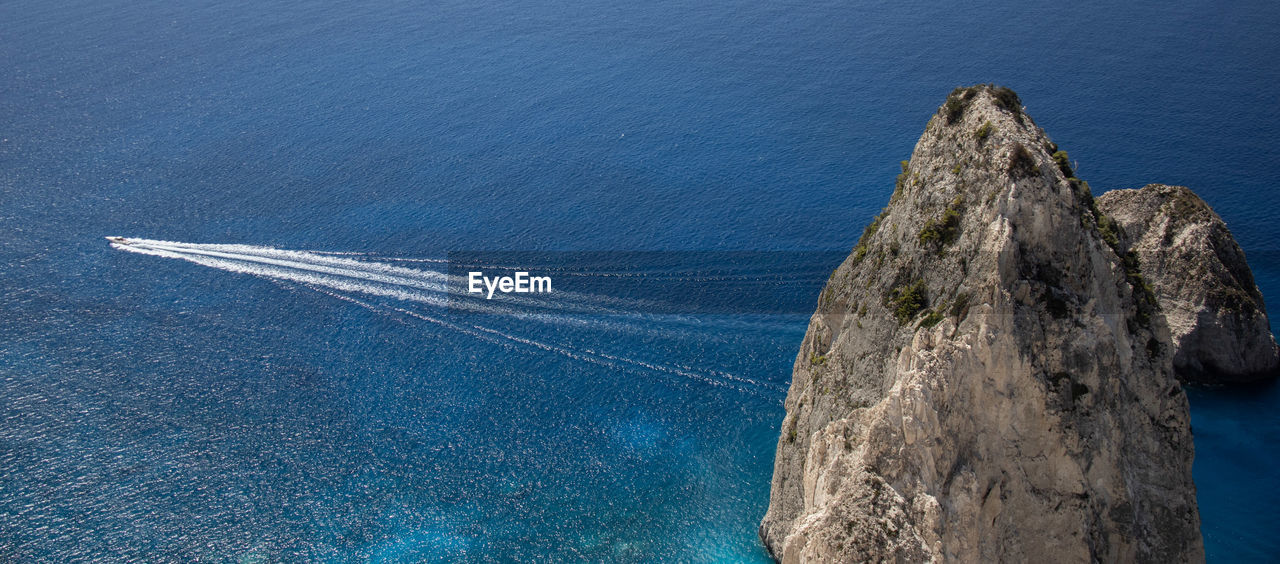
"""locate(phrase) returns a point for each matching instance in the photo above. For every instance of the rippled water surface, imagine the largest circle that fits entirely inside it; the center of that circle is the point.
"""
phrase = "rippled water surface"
(180, 409)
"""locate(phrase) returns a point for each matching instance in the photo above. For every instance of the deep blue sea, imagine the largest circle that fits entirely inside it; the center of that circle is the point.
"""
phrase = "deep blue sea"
(157, 409)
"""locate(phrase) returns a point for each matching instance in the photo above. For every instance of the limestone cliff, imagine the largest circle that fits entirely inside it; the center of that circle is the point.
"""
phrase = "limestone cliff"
(986, 379)
(1216, 316)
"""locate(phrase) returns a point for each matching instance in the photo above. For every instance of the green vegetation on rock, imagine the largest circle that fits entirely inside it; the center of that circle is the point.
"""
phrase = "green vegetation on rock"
(1007, 100)
(1064, 163)
(944, 230)
(860, 250)
(983, 132)
(959, 100)
(1021, 163)
(906, 301)
(930, 319)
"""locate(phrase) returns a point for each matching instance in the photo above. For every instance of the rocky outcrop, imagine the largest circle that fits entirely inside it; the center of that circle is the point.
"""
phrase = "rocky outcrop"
(986, 379)
(1215, 313)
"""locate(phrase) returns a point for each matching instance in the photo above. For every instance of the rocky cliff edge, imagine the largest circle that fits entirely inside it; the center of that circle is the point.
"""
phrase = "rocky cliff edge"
(1216, 316)
(987, 377)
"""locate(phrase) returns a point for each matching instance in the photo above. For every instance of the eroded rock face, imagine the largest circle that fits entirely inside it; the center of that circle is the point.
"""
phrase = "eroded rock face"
(982, 381)
(1215, 313)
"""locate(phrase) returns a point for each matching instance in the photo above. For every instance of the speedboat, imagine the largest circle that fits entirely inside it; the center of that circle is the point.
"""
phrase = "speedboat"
(118, 240)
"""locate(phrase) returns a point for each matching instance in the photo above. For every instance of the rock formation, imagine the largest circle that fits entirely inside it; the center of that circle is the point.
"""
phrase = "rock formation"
(1215, 313)
(986, 378)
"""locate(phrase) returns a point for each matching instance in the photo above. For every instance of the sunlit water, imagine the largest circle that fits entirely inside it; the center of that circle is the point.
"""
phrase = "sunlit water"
(174, 409)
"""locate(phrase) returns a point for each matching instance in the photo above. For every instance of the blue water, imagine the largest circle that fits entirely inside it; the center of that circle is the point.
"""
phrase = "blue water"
(158, 409)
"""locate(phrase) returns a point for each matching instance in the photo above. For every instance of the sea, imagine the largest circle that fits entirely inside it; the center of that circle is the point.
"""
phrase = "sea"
(273, 375)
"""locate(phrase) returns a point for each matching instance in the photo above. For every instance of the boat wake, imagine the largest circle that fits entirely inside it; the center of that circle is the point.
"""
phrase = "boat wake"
(342, 275)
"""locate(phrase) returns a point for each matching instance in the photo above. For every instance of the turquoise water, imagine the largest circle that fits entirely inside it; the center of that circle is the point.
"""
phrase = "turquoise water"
(162, 408)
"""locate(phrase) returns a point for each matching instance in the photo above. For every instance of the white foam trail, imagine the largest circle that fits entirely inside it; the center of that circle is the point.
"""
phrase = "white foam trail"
(349, 284)
(340, 274)
(378, 272)
(318, 272)
(482, 333)
(592, 357)
(426, 286)
(560, 300)
(603, 359)
(343, 253)
(626, 304)
(404, 259)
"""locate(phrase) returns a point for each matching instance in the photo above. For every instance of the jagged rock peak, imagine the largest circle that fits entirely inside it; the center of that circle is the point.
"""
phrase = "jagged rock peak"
(1215, 313)
(985, 377)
